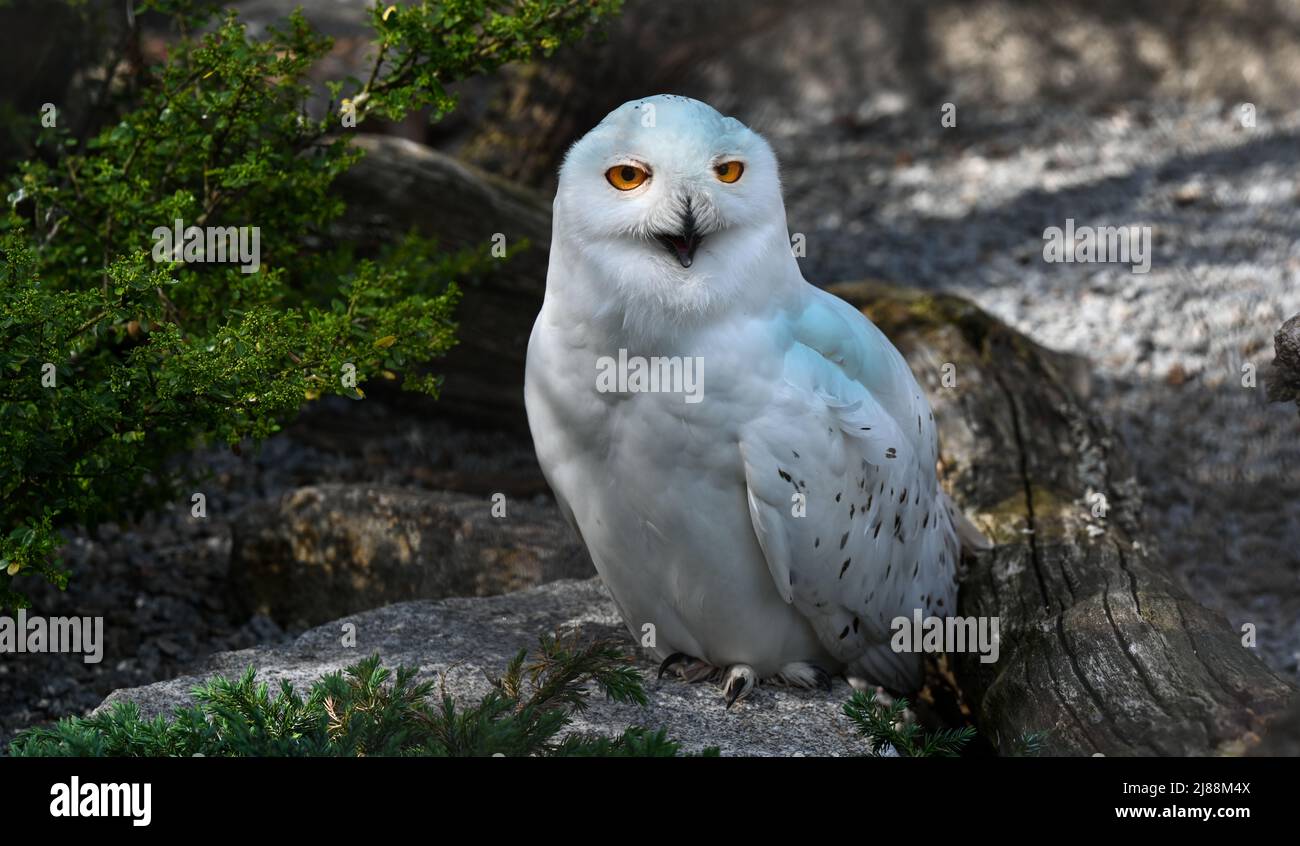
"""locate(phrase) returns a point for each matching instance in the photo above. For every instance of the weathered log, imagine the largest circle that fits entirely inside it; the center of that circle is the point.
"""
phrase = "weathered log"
(1283, 376)
(1098, 647)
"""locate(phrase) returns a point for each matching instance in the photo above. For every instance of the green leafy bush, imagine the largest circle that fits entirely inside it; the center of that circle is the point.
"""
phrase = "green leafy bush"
(113, 362)
(371, 711)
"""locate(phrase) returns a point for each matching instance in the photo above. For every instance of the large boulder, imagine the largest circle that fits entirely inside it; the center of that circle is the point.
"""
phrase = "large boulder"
(325, 551)
(466, 640)
(401, 185)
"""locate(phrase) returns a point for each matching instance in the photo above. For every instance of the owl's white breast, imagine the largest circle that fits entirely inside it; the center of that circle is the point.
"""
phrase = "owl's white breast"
(656, 485)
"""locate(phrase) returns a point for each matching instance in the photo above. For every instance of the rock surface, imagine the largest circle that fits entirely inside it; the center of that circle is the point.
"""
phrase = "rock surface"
(466, 639)
(325, 551)
(1284, 377)
(400, 186)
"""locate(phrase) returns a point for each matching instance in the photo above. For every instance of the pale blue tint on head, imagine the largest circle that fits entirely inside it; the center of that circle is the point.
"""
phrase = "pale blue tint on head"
(681, 119)
(682, 243)
(679, 141)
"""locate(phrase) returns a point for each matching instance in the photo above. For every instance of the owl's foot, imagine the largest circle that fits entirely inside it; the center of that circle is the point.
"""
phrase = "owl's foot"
(689, 669)
(805, 675)
(737, 683)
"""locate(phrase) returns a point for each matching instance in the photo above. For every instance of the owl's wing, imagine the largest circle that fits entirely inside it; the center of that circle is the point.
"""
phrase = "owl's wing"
(843, 492)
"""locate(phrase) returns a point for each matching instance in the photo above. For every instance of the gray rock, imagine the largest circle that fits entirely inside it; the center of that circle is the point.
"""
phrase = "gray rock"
(325, 551)
(400, 185)
(467, 639)
(1283, 377)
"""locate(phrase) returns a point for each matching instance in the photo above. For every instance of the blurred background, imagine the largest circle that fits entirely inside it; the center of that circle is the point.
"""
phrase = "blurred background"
(1178, 115)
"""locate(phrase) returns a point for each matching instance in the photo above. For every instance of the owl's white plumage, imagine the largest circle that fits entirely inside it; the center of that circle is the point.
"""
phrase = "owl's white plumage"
(688, 509)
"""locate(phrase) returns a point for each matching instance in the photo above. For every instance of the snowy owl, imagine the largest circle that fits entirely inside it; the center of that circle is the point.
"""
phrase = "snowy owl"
(748, 459)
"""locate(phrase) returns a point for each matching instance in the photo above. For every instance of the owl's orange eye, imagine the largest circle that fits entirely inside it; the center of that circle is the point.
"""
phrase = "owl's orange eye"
(625, 177)
(729, 171)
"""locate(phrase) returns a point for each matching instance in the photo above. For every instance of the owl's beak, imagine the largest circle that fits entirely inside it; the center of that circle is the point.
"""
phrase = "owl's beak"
(682, 246)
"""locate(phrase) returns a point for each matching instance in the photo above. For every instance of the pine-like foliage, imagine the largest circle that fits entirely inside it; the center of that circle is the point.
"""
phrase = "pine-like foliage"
(884, 726)
(369, 710)
(1029, 745)
(115, 356)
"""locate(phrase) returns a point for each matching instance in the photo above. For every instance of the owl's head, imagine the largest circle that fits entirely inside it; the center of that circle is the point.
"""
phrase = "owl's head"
(671, 201)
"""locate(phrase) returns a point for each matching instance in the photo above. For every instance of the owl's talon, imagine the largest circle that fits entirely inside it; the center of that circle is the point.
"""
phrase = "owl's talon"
(688, 668)
(672, 661)
(738, 683)
(805, 675)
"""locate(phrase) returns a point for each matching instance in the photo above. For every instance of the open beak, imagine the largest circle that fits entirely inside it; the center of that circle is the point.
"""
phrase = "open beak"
(682, 247)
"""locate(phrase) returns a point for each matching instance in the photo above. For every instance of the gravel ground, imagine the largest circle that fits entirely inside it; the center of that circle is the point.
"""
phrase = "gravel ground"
(887, 192)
